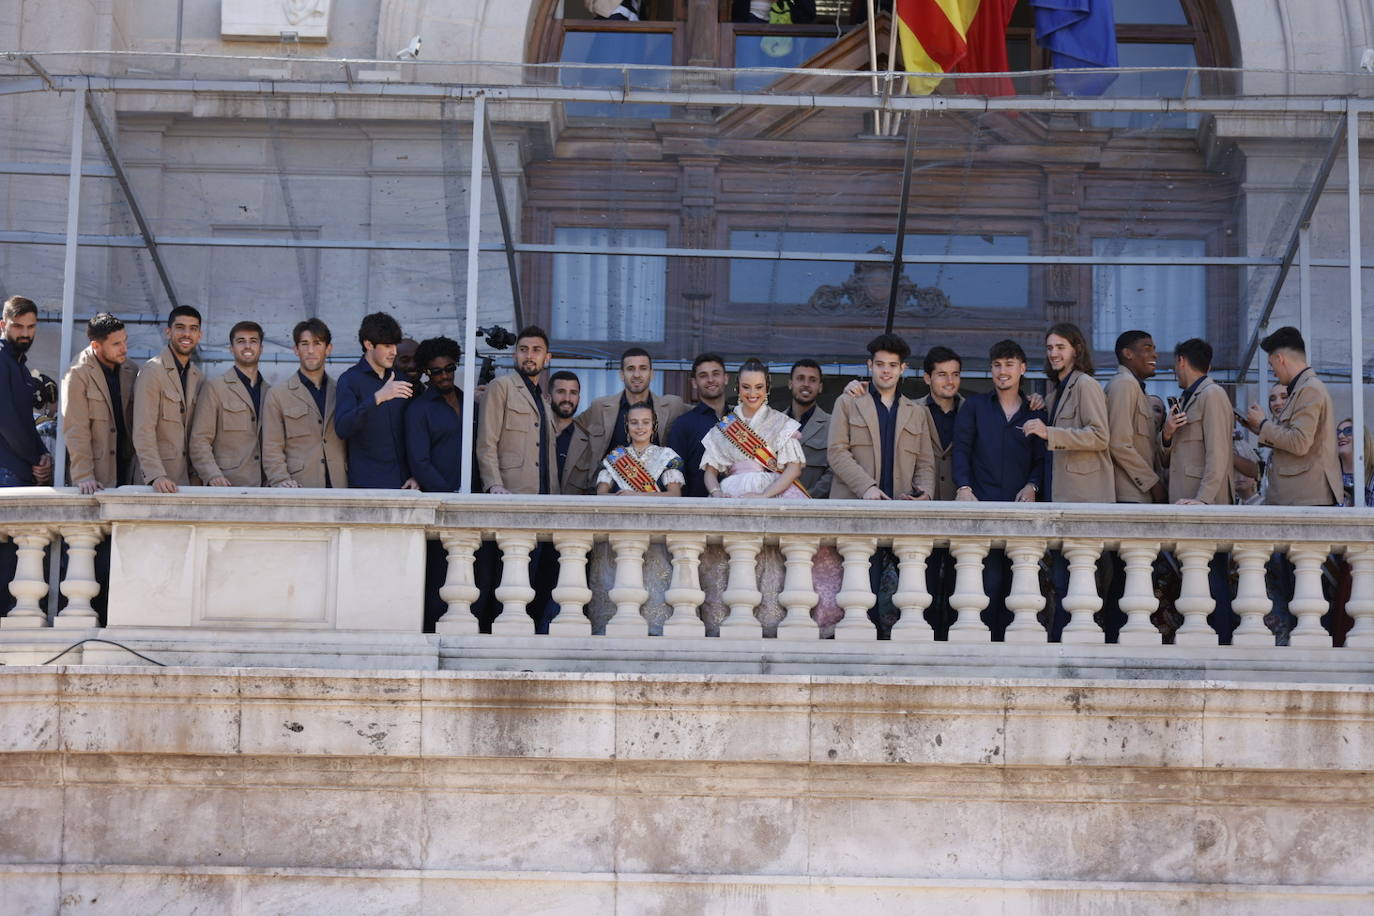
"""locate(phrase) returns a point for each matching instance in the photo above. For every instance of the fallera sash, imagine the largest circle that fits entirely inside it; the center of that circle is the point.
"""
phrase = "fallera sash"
(629, 471)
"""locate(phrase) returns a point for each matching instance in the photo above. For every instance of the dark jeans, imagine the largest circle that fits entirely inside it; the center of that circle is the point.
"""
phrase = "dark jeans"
(487, 568)
(940, 576)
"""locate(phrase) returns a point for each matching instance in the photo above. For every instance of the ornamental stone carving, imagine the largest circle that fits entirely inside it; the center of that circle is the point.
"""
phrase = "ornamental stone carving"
(866, 290)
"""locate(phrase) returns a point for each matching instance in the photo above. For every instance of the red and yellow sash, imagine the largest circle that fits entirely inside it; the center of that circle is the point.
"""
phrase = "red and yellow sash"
(623, 465)
(742, 436)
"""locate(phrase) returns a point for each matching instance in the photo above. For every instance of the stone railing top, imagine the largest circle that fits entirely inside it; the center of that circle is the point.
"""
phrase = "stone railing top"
(775, 518)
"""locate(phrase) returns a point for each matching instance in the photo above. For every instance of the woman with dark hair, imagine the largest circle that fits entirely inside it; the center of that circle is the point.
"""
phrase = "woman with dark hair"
(754, 450)
(1076, 434)
(640, 468)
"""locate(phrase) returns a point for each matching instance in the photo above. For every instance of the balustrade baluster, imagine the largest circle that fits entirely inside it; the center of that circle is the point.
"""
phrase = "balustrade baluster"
(686, 595)
(969, 599)
(1025, 599)
(1361, 604)
(1138, 600)
(30, 582)
(80, 585)
(515, 592)
(629, 593)
(459, 590)
(741, 594)
(798, 594)
(1308, 604)
(1252, 600)
(1195, 600)
(1082, 600)
(911, 597)
(572, 593)
(856, 596)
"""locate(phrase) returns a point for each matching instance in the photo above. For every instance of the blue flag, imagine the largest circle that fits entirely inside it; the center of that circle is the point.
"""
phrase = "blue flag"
(1078, 34)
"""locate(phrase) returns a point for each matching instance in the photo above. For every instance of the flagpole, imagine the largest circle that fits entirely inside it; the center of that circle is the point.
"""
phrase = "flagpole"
(890, 117)
(873, 64)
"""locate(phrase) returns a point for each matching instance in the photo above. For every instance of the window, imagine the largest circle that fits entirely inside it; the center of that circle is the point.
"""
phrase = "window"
(1168, 301)
(609, 297)
(965, 286)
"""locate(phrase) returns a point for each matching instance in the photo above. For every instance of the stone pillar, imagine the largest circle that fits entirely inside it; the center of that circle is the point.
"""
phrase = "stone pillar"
(968, 599)
(80, 585)
(685, 595)
(855, 596)
(629, 593)
(1308, 603)
(30, 583)
(911, 598)
(1195, 600)
(798, 594)
(515, 592)
(1252, 598)
(1025, 599)
(1138, 601)
(572, 593)
(460, 586)
(1361, 603)
(1082, 601)
(741, 589)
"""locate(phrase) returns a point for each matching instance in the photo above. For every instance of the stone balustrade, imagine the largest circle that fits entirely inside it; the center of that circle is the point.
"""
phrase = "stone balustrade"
(336, 578)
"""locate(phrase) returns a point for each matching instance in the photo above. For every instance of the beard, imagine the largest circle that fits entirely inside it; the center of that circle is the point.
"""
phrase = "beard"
(21, 346)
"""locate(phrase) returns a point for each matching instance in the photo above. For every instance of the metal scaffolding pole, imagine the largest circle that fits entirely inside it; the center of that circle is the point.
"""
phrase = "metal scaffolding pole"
(64, 352)
(507, 235)
(479, 123)
(1352, 155)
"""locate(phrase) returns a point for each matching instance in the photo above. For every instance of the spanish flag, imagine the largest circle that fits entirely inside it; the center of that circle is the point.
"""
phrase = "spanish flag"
(955, 36)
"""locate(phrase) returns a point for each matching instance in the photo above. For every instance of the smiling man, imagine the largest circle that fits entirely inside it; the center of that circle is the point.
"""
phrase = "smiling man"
(370, 407)
(225, 444)
(165, 403)
(804, 384)
(1131, 423)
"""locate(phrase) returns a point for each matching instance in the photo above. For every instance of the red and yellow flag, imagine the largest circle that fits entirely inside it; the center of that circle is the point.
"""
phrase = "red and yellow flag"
(949, 36)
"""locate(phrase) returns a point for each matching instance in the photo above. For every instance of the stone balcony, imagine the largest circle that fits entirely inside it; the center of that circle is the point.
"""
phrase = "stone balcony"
(334, 579)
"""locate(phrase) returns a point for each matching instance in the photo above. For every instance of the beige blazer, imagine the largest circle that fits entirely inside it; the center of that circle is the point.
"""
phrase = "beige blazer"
(1303, 468)
(817, 477)
(855, 446)
(577, 447)
(598, 422)
(162, 419)
(1199, 457)
(508, 438)
(226, 436)
(297, 443)
(1078, 444)
(944, 455)
(88, 420)
(1132, 439)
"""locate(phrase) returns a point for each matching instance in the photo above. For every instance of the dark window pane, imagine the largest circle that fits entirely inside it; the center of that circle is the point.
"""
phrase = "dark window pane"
(1149, 12)
(968, 286)
(1169, 85)
(1018, 55)
(612, 47)
(773, 51)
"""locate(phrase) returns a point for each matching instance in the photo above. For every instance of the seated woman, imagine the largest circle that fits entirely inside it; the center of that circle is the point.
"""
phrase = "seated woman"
(640, 468)
(754, 446)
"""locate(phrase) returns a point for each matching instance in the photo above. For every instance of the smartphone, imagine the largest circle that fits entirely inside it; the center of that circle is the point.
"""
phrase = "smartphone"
(1175, 405)
(1240, 417)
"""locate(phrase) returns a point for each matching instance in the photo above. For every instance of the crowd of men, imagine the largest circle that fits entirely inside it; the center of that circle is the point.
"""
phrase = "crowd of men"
(385, 425)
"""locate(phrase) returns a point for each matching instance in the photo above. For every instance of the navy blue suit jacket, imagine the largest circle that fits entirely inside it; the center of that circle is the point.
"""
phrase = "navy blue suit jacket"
(991, 454)
(375, 433)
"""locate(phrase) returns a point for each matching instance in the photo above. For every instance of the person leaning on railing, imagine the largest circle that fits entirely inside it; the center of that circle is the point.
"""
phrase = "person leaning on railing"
(97, 408)
(164, 402)
(299, 445)
(640, 468)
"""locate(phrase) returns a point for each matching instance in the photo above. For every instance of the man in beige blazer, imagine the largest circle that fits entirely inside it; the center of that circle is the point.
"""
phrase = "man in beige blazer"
(515, 434)
(97, 408)
(226, 432)
(1197, 442)
(1304, 469)
(604, 419)
(1080, 466)
(804, 384)
(882, 445)
(299, 445)
(1132, 438)
(164, 404)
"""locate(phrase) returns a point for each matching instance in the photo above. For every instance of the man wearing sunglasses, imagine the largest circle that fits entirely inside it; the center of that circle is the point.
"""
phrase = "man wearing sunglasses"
(435, 431)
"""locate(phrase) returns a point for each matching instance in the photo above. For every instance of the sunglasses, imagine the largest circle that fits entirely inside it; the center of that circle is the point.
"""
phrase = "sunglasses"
(442, 370)
(1346, 432)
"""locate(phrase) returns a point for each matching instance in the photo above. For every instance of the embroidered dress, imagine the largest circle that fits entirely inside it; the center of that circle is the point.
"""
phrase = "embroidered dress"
(649, 471)
(750, 469)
